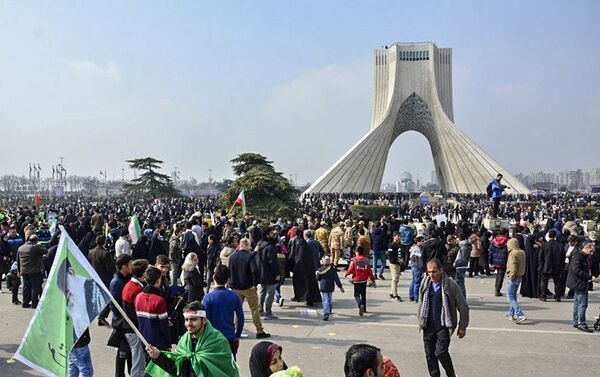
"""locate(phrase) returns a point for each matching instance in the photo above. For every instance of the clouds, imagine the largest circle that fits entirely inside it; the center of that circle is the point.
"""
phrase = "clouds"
(92, 70)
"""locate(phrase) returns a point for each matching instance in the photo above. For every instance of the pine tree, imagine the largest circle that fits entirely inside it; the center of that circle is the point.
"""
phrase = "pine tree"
(150, 184)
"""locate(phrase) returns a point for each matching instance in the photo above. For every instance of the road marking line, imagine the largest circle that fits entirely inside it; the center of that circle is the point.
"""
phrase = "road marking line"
(488, 329)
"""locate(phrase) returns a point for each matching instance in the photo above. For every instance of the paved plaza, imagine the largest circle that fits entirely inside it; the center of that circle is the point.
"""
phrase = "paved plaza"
(546, 345)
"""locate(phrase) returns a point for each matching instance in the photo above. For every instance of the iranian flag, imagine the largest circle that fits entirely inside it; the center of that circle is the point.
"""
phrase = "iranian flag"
(73, 297)
(241, 200)
(135, 231)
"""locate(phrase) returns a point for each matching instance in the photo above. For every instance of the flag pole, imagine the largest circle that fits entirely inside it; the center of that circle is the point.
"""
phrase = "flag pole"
(126, 318)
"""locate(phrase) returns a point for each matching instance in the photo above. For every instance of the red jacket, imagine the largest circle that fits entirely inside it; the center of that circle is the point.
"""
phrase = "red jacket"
(152, 316)
(130, 292)
(360, 269)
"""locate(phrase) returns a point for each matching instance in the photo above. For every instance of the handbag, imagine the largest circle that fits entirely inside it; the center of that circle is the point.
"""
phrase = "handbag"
(115, 338)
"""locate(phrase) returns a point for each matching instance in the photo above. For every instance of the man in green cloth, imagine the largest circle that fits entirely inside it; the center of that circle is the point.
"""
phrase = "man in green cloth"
(201, 352)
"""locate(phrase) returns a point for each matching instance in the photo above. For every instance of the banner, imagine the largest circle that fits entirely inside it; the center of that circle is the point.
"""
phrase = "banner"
(72, 298)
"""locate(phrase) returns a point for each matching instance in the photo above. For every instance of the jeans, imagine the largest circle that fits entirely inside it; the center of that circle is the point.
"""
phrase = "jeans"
(138, 355)
(360, 294)
(378, 256)
(209, 278)
(80, 362)
(579, 307)
(327, 302)
(436, 349)
(278, 290)
(500, 272)
(32, 288)
(512, 287)
(175, 273)
(415, 283)
(266, 294)
(460, 281)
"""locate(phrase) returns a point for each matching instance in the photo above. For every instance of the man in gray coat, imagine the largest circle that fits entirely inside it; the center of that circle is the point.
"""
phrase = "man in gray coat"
(439, 299)
(30, 262)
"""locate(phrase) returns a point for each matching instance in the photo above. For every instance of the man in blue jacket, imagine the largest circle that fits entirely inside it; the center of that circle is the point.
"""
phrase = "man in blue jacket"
(497, 192)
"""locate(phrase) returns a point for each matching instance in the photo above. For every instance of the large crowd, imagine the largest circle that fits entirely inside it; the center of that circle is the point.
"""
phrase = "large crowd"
(186, 278)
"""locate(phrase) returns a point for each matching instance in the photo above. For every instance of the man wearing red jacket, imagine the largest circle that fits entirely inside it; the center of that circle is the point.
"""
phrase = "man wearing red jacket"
(361, 272)
(151, 310)
(131, 290)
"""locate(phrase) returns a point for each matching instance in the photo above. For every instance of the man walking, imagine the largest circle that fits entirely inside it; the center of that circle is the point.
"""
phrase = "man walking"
(551, 260)
(268, 271)
(30, 264)
(515, 269)
(104, 265)
(439, 299)
(243, 268)
(578, 280)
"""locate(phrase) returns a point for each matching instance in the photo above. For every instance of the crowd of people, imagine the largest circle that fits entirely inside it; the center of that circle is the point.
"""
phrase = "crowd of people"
(186, 279)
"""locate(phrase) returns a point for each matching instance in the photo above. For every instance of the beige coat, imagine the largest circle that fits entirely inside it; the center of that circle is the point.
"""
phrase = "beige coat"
(515, 266)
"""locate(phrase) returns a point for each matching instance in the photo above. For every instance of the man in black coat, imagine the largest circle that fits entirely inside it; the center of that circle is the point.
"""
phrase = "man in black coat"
(551, 262)
(268, 270)
(103, 263)
(578, 279)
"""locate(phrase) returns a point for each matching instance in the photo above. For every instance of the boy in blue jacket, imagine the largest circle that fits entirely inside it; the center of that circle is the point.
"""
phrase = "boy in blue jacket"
(327, 275)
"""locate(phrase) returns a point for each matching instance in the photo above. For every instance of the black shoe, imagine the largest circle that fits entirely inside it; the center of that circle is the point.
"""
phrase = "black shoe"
(103, 322)
(262, 335)
(498, 294)
(325, 318)
(25, 306)
(557, 299)
(398, 298)
(361, 310)
(392, 296)
(543, 299)
(381, 277)
(17, 302)
(584, 328)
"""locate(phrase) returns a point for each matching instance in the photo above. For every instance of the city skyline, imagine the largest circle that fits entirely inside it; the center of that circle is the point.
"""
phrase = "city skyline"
(196, 84)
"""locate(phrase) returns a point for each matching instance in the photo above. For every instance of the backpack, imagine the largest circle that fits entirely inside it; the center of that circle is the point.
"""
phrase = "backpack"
(489, 190)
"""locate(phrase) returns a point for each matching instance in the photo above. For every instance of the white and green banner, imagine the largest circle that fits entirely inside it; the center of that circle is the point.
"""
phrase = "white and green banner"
(135, 231)
(72, 298)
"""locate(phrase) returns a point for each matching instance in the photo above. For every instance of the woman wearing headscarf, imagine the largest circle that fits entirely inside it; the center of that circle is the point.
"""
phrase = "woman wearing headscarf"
(531, 280)
(192, 278)
(265, 359)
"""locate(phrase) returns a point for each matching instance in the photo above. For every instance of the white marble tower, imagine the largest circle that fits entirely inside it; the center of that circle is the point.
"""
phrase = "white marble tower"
(413, 92)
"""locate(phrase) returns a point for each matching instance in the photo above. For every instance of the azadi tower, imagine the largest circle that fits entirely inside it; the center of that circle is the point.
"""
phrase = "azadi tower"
(413, 92)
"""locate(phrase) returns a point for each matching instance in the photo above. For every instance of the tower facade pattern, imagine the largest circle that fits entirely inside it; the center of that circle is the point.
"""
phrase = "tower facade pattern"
(413, 92)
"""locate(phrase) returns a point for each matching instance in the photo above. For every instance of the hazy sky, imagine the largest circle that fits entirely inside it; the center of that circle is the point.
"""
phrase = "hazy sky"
(195, 83)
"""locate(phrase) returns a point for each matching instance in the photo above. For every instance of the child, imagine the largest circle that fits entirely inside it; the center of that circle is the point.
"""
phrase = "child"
(416, 268)
(13, 281)
(361, 272)
(327, 277)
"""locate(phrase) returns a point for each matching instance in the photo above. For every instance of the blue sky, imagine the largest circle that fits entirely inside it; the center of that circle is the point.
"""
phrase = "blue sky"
(196, 83)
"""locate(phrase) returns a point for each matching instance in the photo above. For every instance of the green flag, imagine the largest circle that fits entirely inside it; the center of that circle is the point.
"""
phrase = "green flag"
(135, 231)
(72, 298)
(212, 356)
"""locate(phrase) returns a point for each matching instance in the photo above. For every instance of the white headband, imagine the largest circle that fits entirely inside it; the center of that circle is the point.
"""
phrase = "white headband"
(192, 314)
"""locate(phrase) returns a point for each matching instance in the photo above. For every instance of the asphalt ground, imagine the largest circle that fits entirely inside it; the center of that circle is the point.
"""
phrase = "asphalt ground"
(546, 345)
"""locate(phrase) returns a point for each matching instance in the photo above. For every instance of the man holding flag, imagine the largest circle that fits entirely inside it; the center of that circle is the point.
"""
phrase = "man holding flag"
(201, 351)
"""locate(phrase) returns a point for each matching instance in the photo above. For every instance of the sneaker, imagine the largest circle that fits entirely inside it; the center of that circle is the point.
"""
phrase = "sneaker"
(270, 317)
(361, 310)
(521, 320)
(326, 318)
(280, 302)
(584, 328)
(542, 299)
(498, 294)
(398, 298)
(392, 296)
(510, 317)
(381, 277)
(262, 335)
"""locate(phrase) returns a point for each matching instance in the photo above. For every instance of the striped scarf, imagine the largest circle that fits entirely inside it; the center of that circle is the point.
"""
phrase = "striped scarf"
(446, 320)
